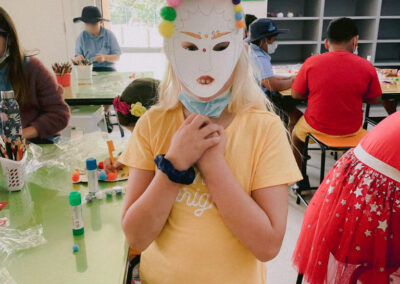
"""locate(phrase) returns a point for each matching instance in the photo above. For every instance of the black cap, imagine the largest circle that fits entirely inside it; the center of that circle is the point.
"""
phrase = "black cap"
(262, 28)
(90, 15)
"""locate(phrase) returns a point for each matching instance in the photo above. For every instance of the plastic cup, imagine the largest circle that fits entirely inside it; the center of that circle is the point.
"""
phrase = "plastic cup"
(84, 72)
(14, 172)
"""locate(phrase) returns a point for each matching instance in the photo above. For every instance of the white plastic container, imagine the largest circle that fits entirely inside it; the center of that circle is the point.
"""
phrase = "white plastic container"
(14, 172)
(84, 72)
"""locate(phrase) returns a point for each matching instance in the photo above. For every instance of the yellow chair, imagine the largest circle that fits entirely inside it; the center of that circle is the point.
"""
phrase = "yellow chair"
(326, 143)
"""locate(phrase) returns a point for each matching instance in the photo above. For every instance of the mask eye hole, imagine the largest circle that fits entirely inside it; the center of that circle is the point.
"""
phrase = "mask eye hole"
(221, 46)
(190, 46)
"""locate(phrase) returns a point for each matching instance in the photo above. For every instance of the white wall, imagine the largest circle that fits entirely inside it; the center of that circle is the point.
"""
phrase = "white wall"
(257, 8)
(46, 25)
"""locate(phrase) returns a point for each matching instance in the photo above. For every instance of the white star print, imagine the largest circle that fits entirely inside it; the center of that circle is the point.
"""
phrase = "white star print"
(343, 202)
(330, 190)
(374, 207)
(359, 167)
(357, 206)
(351, 179)
(383, 225)
(378, 213)
(367, 181)
(367, 197)
(328, 181)
(358, 192)
(367, 233)
(358, 248)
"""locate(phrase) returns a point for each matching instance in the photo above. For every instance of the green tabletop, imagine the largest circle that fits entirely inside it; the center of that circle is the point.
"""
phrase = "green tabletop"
(102, 89)
(44, 201)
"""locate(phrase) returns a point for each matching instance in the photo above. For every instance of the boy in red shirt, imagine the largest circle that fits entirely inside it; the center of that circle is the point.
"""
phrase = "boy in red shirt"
(335, 84)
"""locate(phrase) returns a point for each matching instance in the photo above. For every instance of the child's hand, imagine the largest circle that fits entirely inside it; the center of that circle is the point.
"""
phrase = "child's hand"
(79, 58)
(100, 57)
(214, 152)
(111, 168)
(192, 139)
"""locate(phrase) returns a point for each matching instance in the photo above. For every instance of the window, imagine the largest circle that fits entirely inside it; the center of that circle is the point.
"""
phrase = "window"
(135, 24)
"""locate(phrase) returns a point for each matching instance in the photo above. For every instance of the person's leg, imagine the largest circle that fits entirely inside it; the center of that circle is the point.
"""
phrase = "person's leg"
(298, 149)
(390, 106)
(294, 117)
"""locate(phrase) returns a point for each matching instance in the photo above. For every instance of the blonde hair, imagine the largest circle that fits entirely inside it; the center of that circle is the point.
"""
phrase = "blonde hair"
(246, 92)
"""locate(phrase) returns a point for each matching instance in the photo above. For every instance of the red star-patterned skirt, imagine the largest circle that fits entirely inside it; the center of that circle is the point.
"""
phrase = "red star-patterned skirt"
(351, 229)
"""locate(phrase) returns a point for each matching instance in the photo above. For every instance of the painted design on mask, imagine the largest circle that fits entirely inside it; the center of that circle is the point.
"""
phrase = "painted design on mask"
(203, 42)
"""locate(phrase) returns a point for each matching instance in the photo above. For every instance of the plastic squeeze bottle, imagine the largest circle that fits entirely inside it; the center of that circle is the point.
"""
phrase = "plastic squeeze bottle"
(75, 201)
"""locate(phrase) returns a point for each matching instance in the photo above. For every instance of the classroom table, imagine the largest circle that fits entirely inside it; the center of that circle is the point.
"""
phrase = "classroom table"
(101, 90)
(388, 91)
(102, 251)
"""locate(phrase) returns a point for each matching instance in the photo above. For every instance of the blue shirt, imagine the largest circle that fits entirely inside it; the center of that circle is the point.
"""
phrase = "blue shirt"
(5, 84)
(261, 63)
(89, 46)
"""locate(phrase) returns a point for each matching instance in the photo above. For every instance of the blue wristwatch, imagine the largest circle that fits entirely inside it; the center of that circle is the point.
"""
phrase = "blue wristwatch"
(183, 177)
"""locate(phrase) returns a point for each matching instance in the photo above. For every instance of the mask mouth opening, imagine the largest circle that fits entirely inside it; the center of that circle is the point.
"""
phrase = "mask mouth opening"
(205, 80)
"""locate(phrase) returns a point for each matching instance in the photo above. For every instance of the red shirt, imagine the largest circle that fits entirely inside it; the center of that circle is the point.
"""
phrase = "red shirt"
(336, 84)
(383, 142)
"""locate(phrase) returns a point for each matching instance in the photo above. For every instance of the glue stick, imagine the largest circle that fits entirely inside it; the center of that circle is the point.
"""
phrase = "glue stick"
(76, 204)
(93, 183)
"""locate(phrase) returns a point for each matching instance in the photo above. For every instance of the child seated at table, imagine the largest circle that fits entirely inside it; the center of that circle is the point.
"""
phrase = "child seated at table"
(43, 111)
(138, 97)
(96, 43)
(336, 84)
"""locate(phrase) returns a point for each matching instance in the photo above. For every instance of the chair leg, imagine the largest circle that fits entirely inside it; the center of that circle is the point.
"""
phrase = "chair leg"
(299, 278)
(323, 154)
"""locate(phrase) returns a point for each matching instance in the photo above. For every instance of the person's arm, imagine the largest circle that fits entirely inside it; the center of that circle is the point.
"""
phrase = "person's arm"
(30, 132)
(300, 84)
(374, 93)
(107, 58)
(277, 83)
(54, 112)
(298, 96)
(115, 51)
(263, 214)
(149, 198)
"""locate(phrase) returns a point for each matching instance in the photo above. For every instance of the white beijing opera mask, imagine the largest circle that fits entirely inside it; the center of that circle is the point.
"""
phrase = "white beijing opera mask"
(205, 46)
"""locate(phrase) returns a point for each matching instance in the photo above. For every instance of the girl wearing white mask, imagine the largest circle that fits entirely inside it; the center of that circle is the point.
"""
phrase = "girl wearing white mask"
(262, 39)
(210, 165)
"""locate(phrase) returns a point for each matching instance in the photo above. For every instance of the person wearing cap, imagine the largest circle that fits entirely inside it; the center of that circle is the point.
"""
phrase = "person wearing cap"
(262, 39)
(96, 43)
(335, 84)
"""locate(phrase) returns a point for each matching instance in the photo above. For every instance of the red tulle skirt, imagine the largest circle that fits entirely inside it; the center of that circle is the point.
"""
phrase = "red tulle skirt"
(351, 229)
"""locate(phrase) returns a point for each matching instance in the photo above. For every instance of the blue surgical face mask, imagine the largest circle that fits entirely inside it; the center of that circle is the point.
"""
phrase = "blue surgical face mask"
(211, 109)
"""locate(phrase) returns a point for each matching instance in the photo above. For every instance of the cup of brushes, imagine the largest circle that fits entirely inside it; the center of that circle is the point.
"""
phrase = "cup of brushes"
(84, 69)
(63, 73)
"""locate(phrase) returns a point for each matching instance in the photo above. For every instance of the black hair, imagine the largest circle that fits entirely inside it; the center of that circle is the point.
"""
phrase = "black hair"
(258, 42)
(144, 91)
(249, 19)
(342, 30)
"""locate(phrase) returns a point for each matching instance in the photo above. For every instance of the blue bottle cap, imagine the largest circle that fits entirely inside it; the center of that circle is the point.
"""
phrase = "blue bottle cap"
(91, 164)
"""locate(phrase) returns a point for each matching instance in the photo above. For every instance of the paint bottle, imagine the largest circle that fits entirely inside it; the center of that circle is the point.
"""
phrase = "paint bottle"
(93, 183)
(75, 201)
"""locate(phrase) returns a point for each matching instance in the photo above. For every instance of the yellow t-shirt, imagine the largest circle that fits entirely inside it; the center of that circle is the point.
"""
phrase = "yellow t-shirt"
(195, 246)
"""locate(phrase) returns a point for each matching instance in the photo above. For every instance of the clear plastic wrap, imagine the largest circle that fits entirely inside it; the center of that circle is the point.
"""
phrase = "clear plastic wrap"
(5, 277)
(52, 166)
(13, 240)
